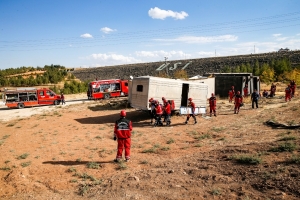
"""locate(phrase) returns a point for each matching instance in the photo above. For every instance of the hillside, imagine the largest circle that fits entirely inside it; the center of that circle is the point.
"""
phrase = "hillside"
(193, 67)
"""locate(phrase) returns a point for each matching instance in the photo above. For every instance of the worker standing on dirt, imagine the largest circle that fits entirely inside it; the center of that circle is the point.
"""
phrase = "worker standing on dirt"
(159, 112)
(152, 109)
(246, 90)
(167, 111)
(122, 133)
(238, 101)
(212, 104)
(164, 115)
(192, 114)
(62, 98)
(231, 94)
(254, 98)
(288, 93)
(293, 87)
(272, 90)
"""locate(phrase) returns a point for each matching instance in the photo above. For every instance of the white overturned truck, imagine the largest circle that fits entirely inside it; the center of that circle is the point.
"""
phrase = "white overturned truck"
(142, 88)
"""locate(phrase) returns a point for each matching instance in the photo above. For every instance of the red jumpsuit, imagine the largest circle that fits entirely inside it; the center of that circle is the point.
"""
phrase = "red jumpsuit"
(122, 130)
(167, 110)
(231, 94)
(159, 113)
(238, 100)
(212, 105)
(193, 108)
(245, 91)
(293, 88)
(288, 93)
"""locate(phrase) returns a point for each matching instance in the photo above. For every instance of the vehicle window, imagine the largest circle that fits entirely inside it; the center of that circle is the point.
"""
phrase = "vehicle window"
(126, 84)
(41, 93)
(139, 88)
(48, 93)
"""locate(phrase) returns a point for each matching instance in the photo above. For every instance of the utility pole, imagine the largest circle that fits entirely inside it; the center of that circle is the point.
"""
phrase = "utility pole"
(166, 66)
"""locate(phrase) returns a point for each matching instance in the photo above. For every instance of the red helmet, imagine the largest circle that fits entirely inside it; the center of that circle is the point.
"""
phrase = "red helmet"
(123, 113)
(232, 86)
(238, 92)
(163, 98)
(151, 99)
(190, 99)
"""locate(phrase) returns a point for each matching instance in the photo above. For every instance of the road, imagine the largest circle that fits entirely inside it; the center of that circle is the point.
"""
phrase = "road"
(7, 114)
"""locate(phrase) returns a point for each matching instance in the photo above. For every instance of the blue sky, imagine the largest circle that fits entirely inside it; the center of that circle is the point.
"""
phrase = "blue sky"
(94, 33)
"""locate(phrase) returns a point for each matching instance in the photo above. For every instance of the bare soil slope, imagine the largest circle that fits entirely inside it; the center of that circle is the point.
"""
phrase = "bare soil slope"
(68, 152)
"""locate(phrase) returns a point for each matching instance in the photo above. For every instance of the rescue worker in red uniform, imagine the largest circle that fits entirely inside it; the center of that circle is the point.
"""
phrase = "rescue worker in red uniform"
(167, 111)
(122, 133)
(246, 93)
(231, 94)
(193, 108)
(164, 115)
(293, 87)
(238, 101)
(152, 109)
(272, 90)
(159, 113)
(212, 104)
(288, 93)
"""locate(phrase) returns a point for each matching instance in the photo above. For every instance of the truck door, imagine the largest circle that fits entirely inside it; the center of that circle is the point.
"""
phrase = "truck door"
(41, 97)
(50, 96)
(184, 94)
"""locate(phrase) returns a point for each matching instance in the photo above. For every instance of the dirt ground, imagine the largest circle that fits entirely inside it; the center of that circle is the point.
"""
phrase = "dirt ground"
(67, 152)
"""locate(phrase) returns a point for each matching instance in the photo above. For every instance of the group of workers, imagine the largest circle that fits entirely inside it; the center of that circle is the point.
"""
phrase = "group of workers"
(159, 111)
(123, 126)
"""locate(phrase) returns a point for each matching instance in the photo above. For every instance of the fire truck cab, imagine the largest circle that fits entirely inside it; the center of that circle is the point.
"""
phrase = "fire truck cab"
(104, 89)
(28, 97)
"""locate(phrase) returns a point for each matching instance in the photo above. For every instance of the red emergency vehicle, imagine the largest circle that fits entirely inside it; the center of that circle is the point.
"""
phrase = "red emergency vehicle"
(28, 97)
(104, 89)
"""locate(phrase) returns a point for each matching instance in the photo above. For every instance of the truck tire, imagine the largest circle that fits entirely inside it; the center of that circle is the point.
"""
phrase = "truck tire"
(55, 102)
(21, 105)
(106, 96)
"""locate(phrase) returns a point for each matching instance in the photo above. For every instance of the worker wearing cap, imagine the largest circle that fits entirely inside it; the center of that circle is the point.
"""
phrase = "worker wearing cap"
(152, 109)
(159, 113)
(122, 132)
(192, 114)
(288, 93)
(167, 111)
(238, 101)
(212, 104)
(231, 94)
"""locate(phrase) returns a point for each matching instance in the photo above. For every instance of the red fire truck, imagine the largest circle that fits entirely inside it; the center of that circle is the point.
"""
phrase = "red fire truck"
(104, 89)
(28, 97)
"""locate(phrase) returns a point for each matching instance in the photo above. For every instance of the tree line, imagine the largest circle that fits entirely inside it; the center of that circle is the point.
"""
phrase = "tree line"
(273, 71)
(49, 74)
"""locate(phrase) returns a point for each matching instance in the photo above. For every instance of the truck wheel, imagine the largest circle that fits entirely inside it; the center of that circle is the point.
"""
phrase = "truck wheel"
(21, 105)
(55, 102)
(106, 96)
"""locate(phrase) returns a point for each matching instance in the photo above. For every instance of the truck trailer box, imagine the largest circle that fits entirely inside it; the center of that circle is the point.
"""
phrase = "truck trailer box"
(145, 87)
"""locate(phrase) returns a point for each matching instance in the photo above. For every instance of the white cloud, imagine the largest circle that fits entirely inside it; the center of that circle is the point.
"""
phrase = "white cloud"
(86, 35)
(159, 55)
(157, 13)
(195, 39)
(107, 30)
(110, 59)
(276, 35)
(206, 54)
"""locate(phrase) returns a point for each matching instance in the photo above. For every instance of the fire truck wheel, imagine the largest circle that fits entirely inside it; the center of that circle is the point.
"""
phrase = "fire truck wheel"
(55, 102)
(106, 96)
(21, 105)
